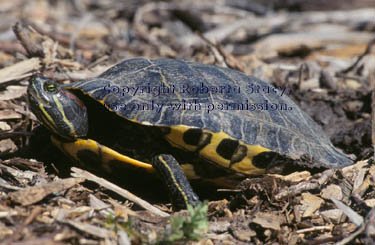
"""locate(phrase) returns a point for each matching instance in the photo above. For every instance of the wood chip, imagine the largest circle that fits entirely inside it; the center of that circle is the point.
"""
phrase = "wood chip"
(352, 170)
(244, 235)
(219, 226)
(370, 202)
(294, 177)
(4, 214)
(360, 190)
(9, 114)
(332, 191)
(311, 203)
(123, 211)
(91, 229)
(294, 42)
(78, 211)
(19, 70)
(7, 145)
(4, 126)
(23, 177)
(35, 194)
(304, 186)
(310, 84)
(268, 220)
(89, 176)
(13, 92)
(333, 215)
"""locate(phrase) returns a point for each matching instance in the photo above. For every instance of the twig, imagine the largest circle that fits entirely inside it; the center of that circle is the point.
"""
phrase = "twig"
(33, 41)
(215, 49)
(351, 236)
(11, 134)
(353, 216)
(315, 228)
(62, 39)
(29, 38)
(89, 176)
(225, 59)
(98, 61)
(367, 51)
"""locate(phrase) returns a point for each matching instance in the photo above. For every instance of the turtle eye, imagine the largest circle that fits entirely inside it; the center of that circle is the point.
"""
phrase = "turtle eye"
(50, 87)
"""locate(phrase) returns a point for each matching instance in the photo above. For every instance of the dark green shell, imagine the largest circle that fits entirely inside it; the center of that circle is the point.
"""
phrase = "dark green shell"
(243, 107)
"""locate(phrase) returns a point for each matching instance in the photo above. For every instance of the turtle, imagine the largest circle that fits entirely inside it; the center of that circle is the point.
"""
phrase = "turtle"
(181, 120)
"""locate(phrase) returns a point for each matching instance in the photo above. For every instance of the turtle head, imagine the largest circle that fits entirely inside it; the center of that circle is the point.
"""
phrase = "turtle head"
(58, 109)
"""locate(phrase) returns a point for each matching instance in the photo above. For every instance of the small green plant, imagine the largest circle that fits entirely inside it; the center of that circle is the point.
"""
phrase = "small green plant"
(114, 223)
(189, 228)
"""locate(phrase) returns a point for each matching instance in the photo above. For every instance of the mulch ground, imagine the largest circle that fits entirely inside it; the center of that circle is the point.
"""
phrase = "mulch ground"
(322, 53)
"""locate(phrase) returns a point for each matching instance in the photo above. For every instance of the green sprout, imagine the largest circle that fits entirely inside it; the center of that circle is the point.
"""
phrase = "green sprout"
(190, 228)
(114, 223)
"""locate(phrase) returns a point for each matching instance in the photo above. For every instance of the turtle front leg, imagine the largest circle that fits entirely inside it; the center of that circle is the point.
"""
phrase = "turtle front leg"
(178, 186)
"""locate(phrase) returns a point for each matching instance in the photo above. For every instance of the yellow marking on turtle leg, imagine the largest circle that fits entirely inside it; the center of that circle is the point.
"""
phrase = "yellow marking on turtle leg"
(246, 165)
(210, 151)
(99, 152)
(107, 154)
(174, 179)
(175, 137)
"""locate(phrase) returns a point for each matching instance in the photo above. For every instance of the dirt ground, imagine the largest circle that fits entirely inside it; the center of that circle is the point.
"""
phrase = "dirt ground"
(320, 51)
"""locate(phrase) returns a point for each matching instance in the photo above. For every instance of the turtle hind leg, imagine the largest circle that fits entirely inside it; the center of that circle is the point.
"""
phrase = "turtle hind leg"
(178, 186)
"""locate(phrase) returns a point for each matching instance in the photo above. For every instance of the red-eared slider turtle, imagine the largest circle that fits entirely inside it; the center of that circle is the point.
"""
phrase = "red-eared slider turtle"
(215, 122)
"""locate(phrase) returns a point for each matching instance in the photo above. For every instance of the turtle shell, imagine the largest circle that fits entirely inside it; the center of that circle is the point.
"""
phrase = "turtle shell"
(222, 114)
